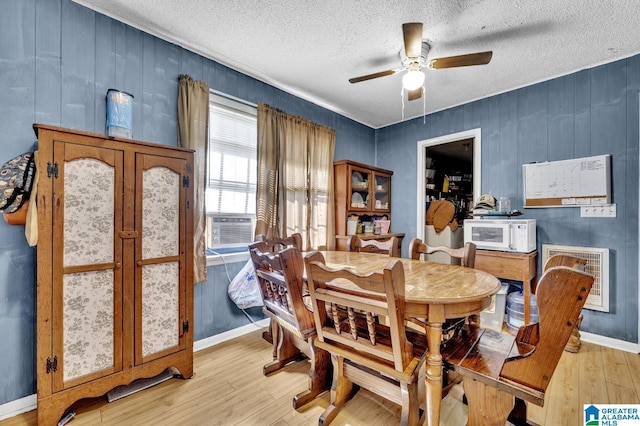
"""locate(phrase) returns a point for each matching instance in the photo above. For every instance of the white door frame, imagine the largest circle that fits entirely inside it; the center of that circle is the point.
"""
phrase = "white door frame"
(476, 135)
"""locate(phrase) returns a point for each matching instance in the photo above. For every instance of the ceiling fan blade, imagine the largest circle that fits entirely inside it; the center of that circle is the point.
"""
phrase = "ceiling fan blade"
(412, 32)
(372, 76)
(415, 94)
(480, 58)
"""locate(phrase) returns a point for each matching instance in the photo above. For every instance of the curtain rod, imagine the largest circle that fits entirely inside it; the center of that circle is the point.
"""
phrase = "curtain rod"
(232, 98)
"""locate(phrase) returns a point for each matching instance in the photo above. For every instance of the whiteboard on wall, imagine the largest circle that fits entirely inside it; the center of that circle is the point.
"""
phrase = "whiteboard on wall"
(568, 183)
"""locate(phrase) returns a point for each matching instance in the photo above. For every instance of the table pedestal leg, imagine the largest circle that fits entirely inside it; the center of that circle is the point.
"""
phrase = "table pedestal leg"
(433, 376)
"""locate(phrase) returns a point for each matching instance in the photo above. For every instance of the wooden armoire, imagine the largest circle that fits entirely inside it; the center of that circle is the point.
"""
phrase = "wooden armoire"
(115, 265)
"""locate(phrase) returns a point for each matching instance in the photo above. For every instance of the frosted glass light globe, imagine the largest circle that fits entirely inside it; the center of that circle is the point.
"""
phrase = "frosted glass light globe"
(413, 80)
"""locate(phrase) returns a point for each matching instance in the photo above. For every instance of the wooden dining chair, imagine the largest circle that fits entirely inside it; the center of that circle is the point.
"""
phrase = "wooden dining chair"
(574, 343)
(389, 247)
(276, 244)
(565, 260)
(501, 371)
(280, 276)
(364, 352)
(465, 254)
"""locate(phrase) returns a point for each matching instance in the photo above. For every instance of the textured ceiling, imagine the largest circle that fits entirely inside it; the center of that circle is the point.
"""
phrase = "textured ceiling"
(312, 48)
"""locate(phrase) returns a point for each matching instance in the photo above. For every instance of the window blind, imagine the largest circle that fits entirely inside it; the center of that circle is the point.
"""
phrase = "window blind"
(232, 158)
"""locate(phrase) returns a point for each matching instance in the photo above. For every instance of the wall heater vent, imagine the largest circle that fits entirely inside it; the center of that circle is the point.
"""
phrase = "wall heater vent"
(597, 265)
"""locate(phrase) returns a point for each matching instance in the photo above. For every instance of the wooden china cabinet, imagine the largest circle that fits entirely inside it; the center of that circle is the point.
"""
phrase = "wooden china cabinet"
(115, 265)
(363, 191)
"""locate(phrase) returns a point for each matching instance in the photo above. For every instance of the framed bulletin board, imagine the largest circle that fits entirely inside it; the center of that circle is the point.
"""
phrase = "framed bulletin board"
(568, 183)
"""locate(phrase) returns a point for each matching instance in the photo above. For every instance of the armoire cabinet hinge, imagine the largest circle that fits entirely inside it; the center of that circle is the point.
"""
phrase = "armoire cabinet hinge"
(185, 326)
(185, 181)
(52, 170)
(52, 365)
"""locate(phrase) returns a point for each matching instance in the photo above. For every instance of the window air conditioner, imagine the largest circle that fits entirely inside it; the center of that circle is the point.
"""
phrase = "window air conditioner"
(229, 230)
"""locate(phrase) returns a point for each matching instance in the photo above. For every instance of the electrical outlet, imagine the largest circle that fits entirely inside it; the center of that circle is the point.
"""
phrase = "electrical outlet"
(598, 211)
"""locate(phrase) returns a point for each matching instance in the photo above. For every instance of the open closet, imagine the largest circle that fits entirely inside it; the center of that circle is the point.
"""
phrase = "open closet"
(448, 170)
(449, 175)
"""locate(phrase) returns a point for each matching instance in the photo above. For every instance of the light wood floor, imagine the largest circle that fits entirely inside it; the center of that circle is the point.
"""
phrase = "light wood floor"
(229, 389)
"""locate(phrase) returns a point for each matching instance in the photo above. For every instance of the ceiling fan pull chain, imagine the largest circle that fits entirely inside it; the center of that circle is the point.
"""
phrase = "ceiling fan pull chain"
(402, 100)
(424, 106)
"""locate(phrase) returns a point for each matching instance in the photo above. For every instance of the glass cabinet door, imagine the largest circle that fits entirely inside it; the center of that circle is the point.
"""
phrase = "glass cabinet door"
(360, 183)
(382, 192)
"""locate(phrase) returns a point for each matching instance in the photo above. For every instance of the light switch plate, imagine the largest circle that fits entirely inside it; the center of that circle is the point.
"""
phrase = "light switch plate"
(598, 211)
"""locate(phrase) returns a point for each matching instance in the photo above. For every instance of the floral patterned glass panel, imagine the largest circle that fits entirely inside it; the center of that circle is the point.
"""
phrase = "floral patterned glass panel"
(160, 213)
(87, 323)
(88, 212)
(160, 315)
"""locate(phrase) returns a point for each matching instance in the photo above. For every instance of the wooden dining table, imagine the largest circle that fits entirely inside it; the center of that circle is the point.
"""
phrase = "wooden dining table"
(434, 292)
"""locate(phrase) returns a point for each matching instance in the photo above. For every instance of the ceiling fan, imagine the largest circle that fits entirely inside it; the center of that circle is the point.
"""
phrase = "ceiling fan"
(415, 58)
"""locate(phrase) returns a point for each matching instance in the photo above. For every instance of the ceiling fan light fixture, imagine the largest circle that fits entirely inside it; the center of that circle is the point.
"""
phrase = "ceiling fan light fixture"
(413, 79)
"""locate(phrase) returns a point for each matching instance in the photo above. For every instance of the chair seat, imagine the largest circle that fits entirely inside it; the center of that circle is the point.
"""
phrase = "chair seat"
(375, 364)
(292, 328)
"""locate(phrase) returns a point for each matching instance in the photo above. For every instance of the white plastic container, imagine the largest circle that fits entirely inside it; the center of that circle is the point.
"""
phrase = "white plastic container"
(493, 316)
(351, 227)
(119, 114)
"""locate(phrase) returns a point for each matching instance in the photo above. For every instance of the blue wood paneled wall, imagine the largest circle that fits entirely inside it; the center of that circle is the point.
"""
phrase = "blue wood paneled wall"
(587, 113)
(57, 61)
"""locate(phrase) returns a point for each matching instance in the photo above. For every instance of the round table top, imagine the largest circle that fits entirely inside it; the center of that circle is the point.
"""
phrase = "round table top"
(425, 282)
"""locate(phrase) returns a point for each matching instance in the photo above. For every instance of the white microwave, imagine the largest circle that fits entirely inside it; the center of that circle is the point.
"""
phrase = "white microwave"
(516, 235)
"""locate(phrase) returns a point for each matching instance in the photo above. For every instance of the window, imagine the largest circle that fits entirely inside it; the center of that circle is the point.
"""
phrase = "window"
(231, 168)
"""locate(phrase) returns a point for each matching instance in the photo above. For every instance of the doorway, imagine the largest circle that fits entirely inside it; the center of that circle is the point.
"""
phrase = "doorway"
(447, 145)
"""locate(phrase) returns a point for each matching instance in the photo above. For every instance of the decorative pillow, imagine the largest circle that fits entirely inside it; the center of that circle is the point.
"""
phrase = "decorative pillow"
(16, 180)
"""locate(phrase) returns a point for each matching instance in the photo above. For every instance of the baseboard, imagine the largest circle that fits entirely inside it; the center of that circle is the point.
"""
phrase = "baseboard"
(609, 342)
(18, 406)
(228, 335)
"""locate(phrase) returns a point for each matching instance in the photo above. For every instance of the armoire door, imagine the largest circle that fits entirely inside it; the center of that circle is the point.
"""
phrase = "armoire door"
(87, 263)
(160, 275)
